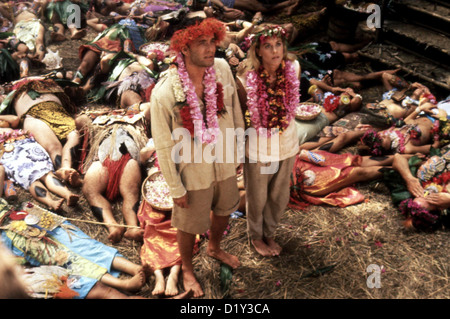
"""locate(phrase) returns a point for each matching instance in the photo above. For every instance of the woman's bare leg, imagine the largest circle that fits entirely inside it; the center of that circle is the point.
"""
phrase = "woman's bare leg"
(358, 174)
(42, 194)
(160, 283)
(172, 281)
(44, 135)
(57, 187)
(67, 172)
(58, 34)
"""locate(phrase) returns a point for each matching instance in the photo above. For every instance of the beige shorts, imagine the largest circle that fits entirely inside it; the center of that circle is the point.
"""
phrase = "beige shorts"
(222, 198)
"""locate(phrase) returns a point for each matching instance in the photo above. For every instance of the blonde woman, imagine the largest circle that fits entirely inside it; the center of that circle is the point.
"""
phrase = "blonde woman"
(268, 89)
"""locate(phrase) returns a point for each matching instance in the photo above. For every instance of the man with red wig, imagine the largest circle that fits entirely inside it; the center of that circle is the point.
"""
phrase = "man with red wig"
(194, 105)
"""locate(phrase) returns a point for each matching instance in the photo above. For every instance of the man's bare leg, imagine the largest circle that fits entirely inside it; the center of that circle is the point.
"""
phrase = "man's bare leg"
(132, 284)
(76, 34)
(130, 183)
(135, 283)
(218, 226)
(186, 243)
(96, 180)
(89, 61)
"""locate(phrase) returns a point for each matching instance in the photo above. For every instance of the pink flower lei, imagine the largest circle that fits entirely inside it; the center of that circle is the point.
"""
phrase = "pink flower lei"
(258, 103)
(205, 134)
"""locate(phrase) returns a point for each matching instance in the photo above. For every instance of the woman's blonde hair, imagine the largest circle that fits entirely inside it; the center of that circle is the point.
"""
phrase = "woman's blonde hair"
(253, 61)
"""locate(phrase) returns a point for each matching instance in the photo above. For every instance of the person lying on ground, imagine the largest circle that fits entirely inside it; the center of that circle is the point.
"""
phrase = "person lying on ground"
(59, 14)
(320, 177)
(46, 111)
(26, 163)
(419, 188)
(94, 268)
(414, 136)
(112, 169)
(399, 100)
(29, 29)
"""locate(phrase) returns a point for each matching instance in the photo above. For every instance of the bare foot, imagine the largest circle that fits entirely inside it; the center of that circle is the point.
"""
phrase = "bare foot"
(72, 199)
(115, 234)
(184, 295)
(261, 247)
(208, 11)
(293, 9)
(78, 34)
(274, 247)
(159, 283)
(57, 37)
(70, 175)
(224, 257)
(136, 234)
(136, 282)
(257, 18)
(172, 281)
(191, 283)
(56, 204)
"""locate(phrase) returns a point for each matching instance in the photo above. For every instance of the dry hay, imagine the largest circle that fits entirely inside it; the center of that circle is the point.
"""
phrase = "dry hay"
(326, 253)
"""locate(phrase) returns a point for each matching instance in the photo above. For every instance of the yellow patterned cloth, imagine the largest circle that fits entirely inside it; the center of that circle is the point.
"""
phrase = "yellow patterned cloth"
(55, 116)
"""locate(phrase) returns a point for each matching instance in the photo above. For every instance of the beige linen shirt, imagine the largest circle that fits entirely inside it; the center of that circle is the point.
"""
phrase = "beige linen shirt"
(191, 171)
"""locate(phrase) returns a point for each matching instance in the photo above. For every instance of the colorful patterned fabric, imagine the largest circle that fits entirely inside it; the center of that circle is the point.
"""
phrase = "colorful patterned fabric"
(27, 32)
(86, 259)
(160, 248)
(26, 163)
(55, 116)
(315, 172)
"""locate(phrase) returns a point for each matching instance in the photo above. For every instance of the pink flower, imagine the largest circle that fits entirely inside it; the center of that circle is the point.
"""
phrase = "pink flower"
(205, 133)
(279, 111)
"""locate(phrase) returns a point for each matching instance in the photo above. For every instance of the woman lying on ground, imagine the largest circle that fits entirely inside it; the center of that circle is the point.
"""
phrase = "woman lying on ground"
(415, 136)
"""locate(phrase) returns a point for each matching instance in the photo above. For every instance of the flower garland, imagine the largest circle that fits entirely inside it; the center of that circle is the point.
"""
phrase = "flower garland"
(208, 27)
(398, 141)
(428, 97)
(441, 129)
(13, 135)
(272, 108)
(191, 113)
(331, 102)
(269, 31)
(421, 217)
(372, 139)
(440, 180)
